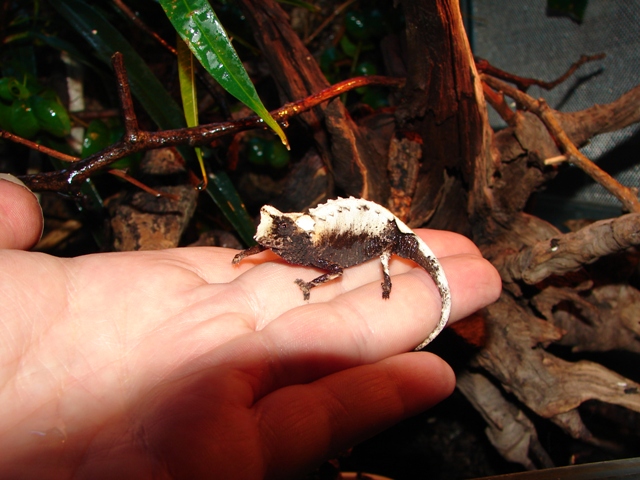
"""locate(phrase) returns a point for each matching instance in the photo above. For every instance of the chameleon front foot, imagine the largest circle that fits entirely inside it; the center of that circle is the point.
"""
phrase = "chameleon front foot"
(305, 287)
(334, 272)
(245, 253)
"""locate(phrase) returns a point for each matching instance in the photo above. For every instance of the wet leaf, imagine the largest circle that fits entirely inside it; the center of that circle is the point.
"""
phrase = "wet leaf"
(106, 40)
(199, 27)
(23, 121)
(189, 96)
(225, 196)
(51, 115)
(96, 137)
(89, 21)
(11, 89)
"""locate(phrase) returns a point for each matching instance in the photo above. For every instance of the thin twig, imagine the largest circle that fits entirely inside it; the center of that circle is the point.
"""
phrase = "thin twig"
(523, 83)
(126, 101)
(626, 195)
(555, 160)
(36, 146)
(328, 20)
(209, 83)
(136, 140)
(497, 101)
(88, 115)
(143, 26)
(156, 193)
(71, 159)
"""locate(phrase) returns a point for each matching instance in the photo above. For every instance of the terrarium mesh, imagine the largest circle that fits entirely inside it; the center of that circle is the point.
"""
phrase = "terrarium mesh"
(519, 36)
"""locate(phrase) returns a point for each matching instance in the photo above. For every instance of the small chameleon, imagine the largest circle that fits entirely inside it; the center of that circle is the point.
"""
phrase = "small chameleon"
(342, 233)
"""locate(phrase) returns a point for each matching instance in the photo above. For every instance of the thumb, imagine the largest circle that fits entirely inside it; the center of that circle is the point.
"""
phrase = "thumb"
(21, 218)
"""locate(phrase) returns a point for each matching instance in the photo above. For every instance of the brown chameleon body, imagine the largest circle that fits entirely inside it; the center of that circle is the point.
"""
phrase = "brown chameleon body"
(340, 234)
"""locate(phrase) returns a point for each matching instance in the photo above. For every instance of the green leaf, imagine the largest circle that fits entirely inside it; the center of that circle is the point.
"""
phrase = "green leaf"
(64, 46)
(223, 193)
(96, 138)
(199, 27)
(51, 115)
(23, 120)
(89, 21)
(187, 84)
(218, 186)
(189, 96)
(106, 40)
(10, 89)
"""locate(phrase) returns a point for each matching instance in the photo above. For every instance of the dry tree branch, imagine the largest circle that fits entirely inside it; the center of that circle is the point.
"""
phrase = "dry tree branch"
(327, 21)
(70, 158)
(136, 140)
(571, 251)
(131, 128)
(627, 196)
(524, 83)
(497, 101)
(207, 80)
(508, 429)
(584, 124)
(551, 387)
(143, 26)
(40, 148)
(152, 191)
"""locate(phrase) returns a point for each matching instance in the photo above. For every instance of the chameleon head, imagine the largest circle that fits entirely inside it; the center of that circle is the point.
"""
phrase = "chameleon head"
(277, 229)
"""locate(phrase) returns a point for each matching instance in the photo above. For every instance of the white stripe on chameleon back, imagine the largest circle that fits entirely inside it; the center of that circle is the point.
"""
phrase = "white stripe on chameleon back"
(353, 215)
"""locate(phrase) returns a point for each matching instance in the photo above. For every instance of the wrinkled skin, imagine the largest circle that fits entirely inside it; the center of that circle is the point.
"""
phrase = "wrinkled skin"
(176, 364)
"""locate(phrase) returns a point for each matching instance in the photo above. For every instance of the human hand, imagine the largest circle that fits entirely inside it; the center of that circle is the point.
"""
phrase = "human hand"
(177, 364)
(20, 215)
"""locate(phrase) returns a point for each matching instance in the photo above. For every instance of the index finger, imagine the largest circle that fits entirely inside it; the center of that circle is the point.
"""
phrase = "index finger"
(359, 327)
(213, 264)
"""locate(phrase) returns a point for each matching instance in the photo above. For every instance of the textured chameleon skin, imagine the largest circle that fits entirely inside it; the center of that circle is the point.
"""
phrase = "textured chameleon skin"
(342, 233)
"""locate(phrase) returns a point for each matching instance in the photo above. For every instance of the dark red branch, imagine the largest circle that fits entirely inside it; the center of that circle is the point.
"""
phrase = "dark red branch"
(497, 101)
(35, 146)
(627, 196)
(524, 83)
(136, 140)
(126, 101)
(143, 26)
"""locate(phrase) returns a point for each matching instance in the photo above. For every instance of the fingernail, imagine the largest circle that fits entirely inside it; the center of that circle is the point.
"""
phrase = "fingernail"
(10, 178)
(13, 179)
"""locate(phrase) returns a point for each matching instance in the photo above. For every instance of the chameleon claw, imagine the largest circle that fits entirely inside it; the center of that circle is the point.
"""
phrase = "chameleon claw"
(305, 287)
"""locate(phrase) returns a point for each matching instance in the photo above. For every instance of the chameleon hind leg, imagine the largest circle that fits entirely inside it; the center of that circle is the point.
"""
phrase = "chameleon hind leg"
(386, 283)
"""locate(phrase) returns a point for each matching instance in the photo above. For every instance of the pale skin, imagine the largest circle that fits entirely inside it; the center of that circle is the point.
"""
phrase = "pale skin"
(177, 364)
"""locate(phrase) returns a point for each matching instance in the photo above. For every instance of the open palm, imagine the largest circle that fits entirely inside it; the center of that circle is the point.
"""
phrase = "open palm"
(177, 364)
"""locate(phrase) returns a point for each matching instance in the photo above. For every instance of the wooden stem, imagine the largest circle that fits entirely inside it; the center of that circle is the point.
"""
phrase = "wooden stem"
(523, 83)
(136, 140)
(627, 196)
